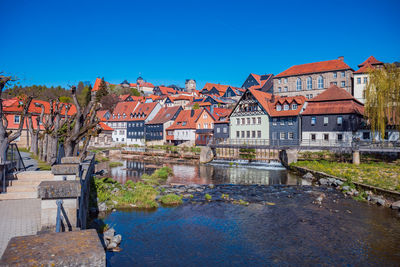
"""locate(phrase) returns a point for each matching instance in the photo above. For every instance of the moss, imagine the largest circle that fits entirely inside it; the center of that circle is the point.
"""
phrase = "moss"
(171, 200)
(208, 197)
(114, 164)
(241, 202)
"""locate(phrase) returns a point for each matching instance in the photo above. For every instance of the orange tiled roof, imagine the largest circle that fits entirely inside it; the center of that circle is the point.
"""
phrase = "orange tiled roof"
(105, 127)
(334, 100)
(167, 90)
(186, 120)
(299, 100)
(13, 105)
(165, 114)
(96, 85)
(322, 66)
(371, 60)
(100, 115)
(365, 68)
(123, 108)
(143, 111)
(262, 98)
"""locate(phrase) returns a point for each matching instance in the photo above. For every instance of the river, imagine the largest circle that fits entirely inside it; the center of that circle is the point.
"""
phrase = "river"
(293, 231)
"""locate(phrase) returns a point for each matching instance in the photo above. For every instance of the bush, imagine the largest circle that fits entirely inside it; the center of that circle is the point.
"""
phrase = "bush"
(171, 200)
(208, 197)
(114, 164)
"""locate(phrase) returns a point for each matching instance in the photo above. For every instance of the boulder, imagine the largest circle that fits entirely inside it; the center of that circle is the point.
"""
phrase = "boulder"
(109, 234)
(102, 207)
(346, 188)
(323, 181)
(308, 176)
(395, 205)
(112, 245)
(116, 239)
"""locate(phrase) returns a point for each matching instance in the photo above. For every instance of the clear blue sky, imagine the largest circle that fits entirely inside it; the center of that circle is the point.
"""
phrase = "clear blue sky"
(62, 42)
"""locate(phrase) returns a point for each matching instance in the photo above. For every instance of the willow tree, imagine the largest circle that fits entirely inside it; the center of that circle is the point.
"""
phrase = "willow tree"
(382, 106)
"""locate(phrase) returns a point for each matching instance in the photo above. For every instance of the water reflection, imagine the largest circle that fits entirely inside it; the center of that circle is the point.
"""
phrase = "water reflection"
(210, 174)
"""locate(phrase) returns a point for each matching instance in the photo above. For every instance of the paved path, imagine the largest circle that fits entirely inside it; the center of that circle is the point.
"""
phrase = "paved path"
(30, 163)
(18, 218)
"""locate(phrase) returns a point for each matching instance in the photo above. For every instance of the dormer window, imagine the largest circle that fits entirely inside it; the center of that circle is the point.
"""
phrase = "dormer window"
(294, 106)
(184, 123)
(286, 107)
(278, 107)
(131, 116)
(113, 116)
(124, 115)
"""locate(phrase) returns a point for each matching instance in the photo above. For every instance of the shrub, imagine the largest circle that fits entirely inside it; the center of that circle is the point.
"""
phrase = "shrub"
(114, 164)
(208, 197)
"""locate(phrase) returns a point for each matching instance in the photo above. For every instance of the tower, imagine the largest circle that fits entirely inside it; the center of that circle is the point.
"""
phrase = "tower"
(190, 85)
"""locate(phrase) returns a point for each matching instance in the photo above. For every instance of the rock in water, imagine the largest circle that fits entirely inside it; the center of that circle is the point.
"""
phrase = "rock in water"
(109, 234)
(396, 205)
(308, 176)
(112, 245)
(116, 239)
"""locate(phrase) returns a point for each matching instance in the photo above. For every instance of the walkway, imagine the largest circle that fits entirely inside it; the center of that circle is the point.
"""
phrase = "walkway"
(30, 163)
(18, 218)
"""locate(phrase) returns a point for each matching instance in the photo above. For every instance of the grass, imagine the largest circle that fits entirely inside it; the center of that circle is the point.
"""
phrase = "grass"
(171, 200)
(114, 164)
(158, 176)
(42, 165)
(380, 174)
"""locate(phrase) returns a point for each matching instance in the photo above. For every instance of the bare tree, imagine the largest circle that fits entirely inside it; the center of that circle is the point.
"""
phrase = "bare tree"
(35, 133)
(5, 137)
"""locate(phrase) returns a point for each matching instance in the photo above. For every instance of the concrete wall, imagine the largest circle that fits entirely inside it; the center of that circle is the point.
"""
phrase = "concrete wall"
(235, 127)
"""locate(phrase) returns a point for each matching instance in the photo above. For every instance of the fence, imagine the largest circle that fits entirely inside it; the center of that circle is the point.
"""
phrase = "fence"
(13, 162)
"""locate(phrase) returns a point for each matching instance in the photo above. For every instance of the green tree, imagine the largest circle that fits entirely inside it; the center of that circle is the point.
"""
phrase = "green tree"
(382, 106)
(65, 99)
(102, 90)
(196, 106)
(135, 92)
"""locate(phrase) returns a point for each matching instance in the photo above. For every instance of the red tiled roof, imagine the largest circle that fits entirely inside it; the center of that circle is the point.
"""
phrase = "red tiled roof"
(96, 85)
(365, 68)
(187, 117)
(299, 100)
(334, 100)
(371, 60)
(165, 114)
(262, 98)
(105, 127)
(123, 108)
(100, 114)
(167, 90)
(257, 77)
(142, 84)
(333, 93)
(143, 109)
(13, 105)
(322, 66)
(221, 112)
(124, 97)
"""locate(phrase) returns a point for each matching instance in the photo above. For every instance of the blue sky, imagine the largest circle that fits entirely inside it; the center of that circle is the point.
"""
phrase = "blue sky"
(63, 42)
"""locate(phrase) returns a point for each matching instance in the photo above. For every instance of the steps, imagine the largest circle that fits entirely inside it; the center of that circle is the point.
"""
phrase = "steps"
(25, 185)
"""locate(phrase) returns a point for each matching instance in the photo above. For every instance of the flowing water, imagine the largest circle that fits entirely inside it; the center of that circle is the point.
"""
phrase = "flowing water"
(292, 232)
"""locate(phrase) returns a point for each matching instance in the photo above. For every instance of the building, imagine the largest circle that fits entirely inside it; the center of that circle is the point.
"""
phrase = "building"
(156, 128)
(144, 113)
(361, 77)
(142, 86)
(190, 85)
(260, 82)
(221, 126)
(285, 123)
(331, 118)
(104, 139)
(312, 79)
(205, 126)
(250, 117)
(184, 127)
(119, 120)
(163, 90)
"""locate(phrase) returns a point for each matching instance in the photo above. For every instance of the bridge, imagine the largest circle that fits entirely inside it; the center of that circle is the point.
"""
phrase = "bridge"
(287, 150)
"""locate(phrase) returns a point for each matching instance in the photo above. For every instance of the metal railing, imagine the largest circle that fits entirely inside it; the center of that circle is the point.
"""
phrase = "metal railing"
(86, 172)
(61, 216)
(13, 162)
(60, 153)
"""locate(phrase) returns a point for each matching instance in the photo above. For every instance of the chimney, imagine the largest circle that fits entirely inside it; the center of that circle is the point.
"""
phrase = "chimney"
(341, 58)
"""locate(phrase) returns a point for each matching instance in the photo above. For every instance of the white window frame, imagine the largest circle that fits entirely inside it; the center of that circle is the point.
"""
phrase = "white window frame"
(309, 83)
(298, 84)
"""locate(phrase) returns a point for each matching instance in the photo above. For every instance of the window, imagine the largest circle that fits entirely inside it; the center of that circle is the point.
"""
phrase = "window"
(285, 89)
(342, 83)
(334, 83)
(205, 125)
(258, 134)
(225, 129)
(242, 134)
(340, 137)
(326, 137)
(238, 121)
(282, 135)
(313, 137)
(253, 134)
(248, 134)
(279, 81)
(278, 107)
(205, 116)
(218, 130)
(290, 135)
(339, 120)
(285, 80)
(290, 121)
(358, 80)
(274, 120)
(365, 79)
(294, 106)
(279, 89)
(198, 126)
(366, 135)
(282, 121)
(286, 107)
(343, 74)
(16, 119)
(313, 120)
(335, 75)
(274, 135)
(248, 121)
(298, 84)
(254, 120)
(243, 121)
(326, 121)
(320, 82)
(309, 83)
(237, 134)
